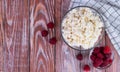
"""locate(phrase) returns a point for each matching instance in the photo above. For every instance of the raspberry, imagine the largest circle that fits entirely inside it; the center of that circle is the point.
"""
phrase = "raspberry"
(98, 61)
(86, 68)
(100, 55)
(53, 40)
(101, 49)
(93, 53)
(44, 33)
(79, 56)
(96, 50)
(95, 64)
(92, 57)
(107, 50)
(105, 63)
(106, 59)
(50, 25)
(110, 61)
(108, 55)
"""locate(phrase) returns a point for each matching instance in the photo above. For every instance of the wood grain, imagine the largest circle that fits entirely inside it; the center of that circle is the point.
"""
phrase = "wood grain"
(65, 56)
(42, 53)
(1, 36)
(16, 36)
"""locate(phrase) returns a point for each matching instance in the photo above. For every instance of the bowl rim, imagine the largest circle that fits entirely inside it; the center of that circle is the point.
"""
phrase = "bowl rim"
(103, 28)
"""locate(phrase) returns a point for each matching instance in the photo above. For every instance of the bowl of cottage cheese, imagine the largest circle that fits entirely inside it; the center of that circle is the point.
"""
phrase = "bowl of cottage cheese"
(82, 28)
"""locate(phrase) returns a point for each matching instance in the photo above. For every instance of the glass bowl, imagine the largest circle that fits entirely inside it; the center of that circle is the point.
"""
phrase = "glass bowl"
(95, 12)
(103, 67)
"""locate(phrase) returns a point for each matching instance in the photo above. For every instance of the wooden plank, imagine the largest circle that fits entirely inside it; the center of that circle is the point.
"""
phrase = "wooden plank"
(42, 53)
(1, 36)
(65, 56)
(16, 36)
(115, 67)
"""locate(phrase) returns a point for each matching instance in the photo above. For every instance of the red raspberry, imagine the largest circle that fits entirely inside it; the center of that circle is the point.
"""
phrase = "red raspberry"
(92, 57)
(98, 61)
(101, 49)
(95, 64)
(105, 63)
(108, 55)
(100, 55)
(53, 40)
(86, 68)
(96, 50)
(107, 50)
(50, 25)
(79, 56)
(110, 61)
(106, 59)
(44, 33)
(93, 53)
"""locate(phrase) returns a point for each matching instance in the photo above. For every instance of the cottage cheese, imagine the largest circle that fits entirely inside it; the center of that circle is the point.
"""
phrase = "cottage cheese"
(81, 27)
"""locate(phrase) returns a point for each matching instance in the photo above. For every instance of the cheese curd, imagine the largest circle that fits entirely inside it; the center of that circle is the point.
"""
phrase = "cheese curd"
(81, 27)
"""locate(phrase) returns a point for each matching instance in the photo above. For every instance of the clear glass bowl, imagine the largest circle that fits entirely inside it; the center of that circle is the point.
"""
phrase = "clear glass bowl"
(105, 67)
(95, 12)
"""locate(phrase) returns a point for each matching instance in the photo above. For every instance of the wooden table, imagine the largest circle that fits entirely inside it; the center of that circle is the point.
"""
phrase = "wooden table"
(23, 49)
